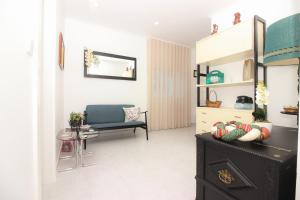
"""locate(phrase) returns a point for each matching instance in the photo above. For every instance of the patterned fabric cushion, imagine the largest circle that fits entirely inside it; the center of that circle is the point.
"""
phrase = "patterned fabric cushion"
(131, 114)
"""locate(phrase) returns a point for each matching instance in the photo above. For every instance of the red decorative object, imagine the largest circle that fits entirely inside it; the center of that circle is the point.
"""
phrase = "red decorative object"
(67, 146)
(237, 18)
(215, 29)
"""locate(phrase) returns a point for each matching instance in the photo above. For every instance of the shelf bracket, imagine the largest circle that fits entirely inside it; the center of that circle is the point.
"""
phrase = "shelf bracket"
(261, 65)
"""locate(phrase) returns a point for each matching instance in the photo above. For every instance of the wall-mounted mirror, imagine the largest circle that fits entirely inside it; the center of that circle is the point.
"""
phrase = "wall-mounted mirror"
(109, 66)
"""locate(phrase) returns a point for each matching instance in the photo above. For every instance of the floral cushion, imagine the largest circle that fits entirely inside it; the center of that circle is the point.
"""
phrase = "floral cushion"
(131, 114)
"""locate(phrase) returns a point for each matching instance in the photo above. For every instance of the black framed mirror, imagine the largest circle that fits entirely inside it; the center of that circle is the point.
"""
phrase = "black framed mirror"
(109, 66)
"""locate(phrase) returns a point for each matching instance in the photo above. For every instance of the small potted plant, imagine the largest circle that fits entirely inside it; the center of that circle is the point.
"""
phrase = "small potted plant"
(75, 120)
(259, 115)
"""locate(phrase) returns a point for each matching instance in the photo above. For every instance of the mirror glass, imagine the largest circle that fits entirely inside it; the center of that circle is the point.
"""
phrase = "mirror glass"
(111, 66)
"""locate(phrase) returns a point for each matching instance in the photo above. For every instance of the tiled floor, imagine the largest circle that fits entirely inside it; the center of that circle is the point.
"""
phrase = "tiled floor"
(131, 168)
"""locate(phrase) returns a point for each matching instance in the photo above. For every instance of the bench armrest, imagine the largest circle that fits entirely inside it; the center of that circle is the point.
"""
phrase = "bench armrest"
(145, 112)
(84, 118)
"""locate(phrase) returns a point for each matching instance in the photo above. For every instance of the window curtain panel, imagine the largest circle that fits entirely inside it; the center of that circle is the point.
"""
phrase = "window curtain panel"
(169, 82)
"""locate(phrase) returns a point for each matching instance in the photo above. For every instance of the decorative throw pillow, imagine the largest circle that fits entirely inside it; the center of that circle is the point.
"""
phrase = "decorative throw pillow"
(131, 114)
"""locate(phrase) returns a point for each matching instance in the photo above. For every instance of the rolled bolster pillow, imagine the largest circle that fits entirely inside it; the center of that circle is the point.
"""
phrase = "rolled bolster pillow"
(238, 131)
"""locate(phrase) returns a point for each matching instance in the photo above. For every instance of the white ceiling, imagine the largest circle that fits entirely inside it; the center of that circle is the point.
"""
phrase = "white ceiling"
(180, 21)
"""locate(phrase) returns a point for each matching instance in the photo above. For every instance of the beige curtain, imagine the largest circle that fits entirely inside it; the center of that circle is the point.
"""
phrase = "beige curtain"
(169, 85)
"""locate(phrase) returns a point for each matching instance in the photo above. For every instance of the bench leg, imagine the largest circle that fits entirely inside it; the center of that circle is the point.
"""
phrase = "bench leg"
(146, 122)
(134, 130)
(84, 144)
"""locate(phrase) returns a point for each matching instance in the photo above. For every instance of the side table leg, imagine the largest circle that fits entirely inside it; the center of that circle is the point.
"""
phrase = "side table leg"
(66, 158)
(81, 151)
(84, 144)
(76, 151)
(82, 147)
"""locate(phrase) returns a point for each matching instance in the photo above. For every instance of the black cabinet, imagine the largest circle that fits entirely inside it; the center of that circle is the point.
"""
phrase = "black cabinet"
(247, 171)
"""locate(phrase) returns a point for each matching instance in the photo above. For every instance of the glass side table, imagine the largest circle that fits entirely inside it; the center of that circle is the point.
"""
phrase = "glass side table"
(78, 139)
(67, 135)
(83, 136)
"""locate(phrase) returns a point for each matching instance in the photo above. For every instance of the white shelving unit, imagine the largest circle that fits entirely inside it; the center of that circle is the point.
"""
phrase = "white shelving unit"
(241, 41)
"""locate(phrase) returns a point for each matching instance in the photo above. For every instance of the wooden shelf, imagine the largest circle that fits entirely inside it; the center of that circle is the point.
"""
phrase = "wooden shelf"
(227, 108)
(242, 83)
(288, 113)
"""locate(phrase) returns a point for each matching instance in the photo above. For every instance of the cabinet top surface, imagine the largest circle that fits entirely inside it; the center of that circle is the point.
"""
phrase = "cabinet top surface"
(236, 26)
(281, 146)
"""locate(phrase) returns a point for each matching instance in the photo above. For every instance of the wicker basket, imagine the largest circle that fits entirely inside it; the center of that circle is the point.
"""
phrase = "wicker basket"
(213, 104)
(291, 109)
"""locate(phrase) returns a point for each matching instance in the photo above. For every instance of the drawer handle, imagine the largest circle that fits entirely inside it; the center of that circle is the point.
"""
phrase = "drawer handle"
(203, 113)
(204, 131)
(204, 122)
(238, 117)
(225, 176)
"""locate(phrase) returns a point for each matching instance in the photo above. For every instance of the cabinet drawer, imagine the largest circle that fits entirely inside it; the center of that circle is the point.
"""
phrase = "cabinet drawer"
(203, 126)
(209, 193)
(205, 120)
(241, 116)
(207, 117)
(228, 170)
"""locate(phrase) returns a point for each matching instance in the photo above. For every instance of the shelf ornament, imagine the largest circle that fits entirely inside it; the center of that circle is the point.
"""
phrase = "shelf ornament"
(215, 29)
(90, 58)
(237, 18)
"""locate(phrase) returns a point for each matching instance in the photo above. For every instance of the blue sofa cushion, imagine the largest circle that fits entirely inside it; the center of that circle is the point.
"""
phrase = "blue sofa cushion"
(100, 114)
(119, 124)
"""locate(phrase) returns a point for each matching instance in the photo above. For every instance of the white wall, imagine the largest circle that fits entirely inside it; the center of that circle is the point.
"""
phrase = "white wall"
(51, 89)
(59, 75)
(20, 34)
(52, 86)
(80, 91)
(282, 81)
(59, 78)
